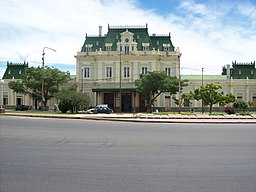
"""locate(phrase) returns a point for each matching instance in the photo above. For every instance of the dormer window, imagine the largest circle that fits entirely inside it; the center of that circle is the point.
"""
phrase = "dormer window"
(166, 47)
(9, 72)
(239, 72)
(88, 47)
(20, 71)
(97, 43)
(108, 46)
(145, 46)
(157, 42)
(251, 72)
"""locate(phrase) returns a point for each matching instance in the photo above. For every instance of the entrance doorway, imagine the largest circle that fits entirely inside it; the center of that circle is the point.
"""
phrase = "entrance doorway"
(19, 101)
(109, 99)
(143, 104)
(126, 102)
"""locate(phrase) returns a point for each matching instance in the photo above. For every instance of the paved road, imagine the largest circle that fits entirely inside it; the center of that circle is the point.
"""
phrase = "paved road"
(48, 155)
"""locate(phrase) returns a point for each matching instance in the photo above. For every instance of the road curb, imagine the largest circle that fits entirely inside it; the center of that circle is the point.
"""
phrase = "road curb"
(152, 119)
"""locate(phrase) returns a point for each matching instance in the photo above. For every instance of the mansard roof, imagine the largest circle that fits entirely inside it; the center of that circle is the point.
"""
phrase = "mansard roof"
(15, 70)
(140, 36)
(241, 70)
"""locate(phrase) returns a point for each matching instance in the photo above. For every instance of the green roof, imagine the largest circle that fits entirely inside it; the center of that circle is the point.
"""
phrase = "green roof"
(14, 70)
(241, 70)
(205, 77)
(140, 36)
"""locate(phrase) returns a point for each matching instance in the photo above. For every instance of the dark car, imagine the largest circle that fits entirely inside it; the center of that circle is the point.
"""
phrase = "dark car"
(22, 107)
(103, 110)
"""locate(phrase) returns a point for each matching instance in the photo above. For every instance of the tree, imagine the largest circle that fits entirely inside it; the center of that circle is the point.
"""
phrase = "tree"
(31, 83)
(152, 84)
(209, 95)
(241, 105)
(184, 96)
(70, 99)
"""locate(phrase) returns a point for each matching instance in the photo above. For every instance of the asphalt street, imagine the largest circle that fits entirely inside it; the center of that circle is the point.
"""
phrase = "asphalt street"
(63, 155)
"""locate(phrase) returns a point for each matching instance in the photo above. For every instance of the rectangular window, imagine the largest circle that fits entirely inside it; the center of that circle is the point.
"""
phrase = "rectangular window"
(126, 72)
(145, 48)
(168, 71)
(254, 97)
(239, 96)
(108, 48)
(109, 72)
(186, 103)
(86, 72)
(5, 98)
(126, 50)
(166, 48)
(144, 70)
(88, 49)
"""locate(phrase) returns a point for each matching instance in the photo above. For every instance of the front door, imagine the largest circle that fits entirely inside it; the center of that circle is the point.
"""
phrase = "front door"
(143, 104)
(19, 101)
(126, 102)
(109, 99)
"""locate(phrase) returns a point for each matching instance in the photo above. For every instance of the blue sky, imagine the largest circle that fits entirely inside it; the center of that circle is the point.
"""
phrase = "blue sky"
(209, 33)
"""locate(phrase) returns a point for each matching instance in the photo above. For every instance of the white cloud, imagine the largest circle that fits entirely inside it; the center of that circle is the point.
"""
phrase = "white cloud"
(200, 30)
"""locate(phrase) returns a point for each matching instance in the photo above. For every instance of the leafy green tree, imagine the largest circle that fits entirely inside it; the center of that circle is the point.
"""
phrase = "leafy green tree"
(210, 95)
(252, 103)
(241, 105)
(184, 96)
(70, 99)
(31, 83)
(152, 84)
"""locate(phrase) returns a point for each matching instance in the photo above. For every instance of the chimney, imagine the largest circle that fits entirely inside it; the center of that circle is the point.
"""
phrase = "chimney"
(100, 31)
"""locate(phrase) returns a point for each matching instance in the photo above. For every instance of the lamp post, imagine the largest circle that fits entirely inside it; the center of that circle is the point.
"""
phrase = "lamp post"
(82, 86)
(1, 92)
(179, 55)
(43, 102)
(120, 83)
(202, 87)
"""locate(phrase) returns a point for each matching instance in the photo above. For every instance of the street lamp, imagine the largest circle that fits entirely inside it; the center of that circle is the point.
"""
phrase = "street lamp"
(1, 92)
(120, 83)
(179, 55)
(82, 86)
(43, 102)
(202, 87)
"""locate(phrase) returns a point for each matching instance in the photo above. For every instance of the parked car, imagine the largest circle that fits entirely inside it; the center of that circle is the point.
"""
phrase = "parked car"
(90, 111)
(103, 110)
(22, 107)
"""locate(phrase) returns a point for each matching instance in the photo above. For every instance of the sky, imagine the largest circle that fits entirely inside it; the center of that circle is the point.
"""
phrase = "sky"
(209, 33)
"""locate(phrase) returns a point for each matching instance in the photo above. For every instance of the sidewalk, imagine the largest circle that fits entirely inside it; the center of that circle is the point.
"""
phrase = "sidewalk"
(147, 118)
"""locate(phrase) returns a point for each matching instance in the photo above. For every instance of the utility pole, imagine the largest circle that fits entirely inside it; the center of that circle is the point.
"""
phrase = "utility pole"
(179, 55)
(202, 87)
(120, 83)
(43, 102)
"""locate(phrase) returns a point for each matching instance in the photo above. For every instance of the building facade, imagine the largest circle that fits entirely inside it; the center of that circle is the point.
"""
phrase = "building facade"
(10, 99)
(107, 66)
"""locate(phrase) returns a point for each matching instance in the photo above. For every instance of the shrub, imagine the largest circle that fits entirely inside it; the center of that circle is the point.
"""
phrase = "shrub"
(64, 106)
(229, 110)
(241, 105)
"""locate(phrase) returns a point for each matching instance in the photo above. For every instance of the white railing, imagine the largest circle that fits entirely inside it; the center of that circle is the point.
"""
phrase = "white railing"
(132, 53)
